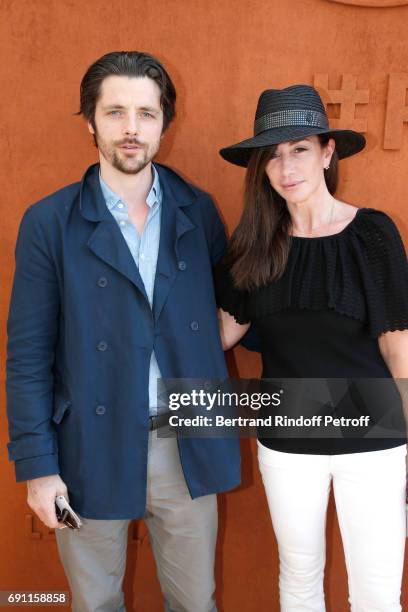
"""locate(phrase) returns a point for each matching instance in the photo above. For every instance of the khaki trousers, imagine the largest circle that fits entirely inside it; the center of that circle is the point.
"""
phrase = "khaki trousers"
(183, 536)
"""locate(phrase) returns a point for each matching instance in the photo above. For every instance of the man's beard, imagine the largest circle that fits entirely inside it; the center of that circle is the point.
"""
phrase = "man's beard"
(127, 165)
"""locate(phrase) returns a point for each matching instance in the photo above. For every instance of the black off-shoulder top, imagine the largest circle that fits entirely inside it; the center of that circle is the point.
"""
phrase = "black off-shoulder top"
(322, 318)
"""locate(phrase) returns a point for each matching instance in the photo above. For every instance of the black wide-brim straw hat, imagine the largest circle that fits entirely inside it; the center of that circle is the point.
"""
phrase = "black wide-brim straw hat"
(291, 114)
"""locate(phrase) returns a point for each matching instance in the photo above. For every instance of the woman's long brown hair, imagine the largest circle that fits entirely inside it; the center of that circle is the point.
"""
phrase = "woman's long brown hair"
(259, 247)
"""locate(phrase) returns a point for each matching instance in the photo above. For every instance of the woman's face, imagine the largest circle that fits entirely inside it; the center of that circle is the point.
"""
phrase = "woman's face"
(296, 170)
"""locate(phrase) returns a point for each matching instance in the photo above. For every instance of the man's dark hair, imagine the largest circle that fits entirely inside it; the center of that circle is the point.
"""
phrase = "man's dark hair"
(130, 64)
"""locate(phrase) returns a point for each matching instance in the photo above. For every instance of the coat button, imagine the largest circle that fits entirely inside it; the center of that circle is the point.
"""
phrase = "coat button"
(102, 345)
(194, 325)
(100, 410)
(102, 282)
(182, 265)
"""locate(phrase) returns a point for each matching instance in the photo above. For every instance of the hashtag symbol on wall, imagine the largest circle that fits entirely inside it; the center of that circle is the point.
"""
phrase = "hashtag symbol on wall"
(345, 99)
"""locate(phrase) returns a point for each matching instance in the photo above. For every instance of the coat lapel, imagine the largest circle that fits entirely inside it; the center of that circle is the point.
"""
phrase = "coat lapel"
(106, 241)
(108, 244)
(174, 224)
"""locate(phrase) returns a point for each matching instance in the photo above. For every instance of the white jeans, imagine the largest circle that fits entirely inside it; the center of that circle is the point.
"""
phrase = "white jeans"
(369, 489)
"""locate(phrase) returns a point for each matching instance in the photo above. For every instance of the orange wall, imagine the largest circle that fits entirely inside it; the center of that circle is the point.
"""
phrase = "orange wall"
(221, 54)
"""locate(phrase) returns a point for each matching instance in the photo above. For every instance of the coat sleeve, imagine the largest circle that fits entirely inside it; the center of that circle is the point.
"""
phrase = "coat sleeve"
(32, 332)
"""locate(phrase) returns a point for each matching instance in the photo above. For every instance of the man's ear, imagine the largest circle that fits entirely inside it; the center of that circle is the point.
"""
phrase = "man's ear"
(90, 128)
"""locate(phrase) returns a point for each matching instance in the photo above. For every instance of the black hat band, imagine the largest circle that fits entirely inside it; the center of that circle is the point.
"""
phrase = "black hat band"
(292, 118)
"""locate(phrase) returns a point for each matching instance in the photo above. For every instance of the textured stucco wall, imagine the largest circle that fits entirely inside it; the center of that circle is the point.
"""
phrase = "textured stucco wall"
(221, 54)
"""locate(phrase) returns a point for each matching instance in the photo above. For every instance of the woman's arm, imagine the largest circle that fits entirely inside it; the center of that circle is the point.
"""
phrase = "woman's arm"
(231, 331)
(394, 349)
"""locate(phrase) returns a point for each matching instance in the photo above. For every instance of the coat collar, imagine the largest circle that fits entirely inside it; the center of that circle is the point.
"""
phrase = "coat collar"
(92, 204)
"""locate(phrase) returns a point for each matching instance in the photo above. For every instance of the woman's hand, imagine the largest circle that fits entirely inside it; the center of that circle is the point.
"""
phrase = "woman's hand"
(231, 332)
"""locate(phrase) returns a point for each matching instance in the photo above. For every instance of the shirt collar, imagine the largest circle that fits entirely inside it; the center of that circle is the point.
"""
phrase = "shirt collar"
(112, 198)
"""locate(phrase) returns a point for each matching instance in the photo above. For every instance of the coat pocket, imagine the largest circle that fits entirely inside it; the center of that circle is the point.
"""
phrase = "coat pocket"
(61, 406)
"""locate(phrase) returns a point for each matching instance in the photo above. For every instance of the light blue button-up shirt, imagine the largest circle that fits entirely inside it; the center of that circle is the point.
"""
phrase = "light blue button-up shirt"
(144, 249)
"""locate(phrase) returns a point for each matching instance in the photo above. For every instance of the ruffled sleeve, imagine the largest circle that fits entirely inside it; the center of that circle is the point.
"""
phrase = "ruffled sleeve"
(384, 272)
(229, 298)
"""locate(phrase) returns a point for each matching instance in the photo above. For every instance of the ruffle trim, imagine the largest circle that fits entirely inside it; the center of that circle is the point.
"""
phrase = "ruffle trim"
(361, 272)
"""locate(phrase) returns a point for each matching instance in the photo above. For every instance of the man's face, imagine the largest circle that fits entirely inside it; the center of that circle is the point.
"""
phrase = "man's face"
(128, 122)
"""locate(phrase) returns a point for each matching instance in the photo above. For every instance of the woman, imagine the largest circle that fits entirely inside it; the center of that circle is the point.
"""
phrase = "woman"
(325, 284)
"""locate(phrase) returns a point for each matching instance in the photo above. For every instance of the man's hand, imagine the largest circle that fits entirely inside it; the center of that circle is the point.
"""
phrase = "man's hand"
(41, 494)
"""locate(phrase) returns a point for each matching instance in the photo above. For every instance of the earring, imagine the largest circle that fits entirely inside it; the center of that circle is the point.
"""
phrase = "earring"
(327, 167)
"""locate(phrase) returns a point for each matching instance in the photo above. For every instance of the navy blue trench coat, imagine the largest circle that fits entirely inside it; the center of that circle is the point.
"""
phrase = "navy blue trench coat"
(81, 333)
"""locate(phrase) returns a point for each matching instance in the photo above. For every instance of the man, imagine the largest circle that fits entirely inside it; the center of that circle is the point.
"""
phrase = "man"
(112, 290)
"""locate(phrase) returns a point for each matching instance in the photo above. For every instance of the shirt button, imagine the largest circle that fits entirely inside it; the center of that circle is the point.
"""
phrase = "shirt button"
(102, 345)
(142, 256)
(122, 223)
(182, 265)
(102, 282)
(194, 325)
(100, 410)
(120, 205)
